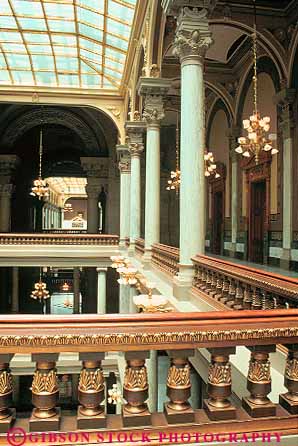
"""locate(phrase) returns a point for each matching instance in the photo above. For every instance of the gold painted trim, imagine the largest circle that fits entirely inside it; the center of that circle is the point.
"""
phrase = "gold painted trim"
(122, 339)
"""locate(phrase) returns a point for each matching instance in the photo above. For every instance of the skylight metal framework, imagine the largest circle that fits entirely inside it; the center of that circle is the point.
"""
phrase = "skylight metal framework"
(64, 43)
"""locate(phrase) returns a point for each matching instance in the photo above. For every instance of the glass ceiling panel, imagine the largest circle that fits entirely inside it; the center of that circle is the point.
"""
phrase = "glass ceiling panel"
(64, 43)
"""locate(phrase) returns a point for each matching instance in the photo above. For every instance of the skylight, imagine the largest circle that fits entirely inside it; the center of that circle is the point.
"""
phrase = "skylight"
(64, 43)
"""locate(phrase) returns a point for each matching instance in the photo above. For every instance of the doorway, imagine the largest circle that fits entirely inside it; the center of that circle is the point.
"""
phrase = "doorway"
(217, 222)
(257, 221)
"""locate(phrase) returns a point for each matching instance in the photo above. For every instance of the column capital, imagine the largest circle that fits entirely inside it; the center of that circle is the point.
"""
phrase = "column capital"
(135, 131)
(193, 35)
(8, 164)
(172, 7)
(6, 189)
(285, 99)
(93, 190)
(123, 156)
(154, 90)
(101, 270)
(95, 166)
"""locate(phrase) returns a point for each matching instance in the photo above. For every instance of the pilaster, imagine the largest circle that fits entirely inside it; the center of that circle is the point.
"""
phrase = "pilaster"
(124, 164)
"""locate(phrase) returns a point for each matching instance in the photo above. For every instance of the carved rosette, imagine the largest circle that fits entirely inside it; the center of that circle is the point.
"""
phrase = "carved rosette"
(6, 389)
(91, 381)
(259, 372)
(193, 37)
(45, 390)
(219, 374)
(179, 378)
(179, 385)
(291, 371)
(91, 388)
(135, 386)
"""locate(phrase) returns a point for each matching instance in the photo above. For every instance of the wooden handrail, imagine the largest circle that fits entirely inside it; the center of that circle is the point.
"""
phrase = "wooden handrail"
(156, 332)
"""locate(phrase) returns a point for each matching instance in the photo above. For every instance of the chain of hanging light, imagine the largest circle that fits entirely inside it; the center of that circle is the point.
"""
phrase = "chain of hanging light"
(256, 127)
(40, 188)
(175, 177)
(209, 165)
(40, 291)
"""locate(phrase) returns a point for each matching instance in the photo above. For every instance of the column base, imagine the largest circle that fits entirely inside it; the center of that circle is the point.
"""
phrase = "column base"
(132, 419)
(45, 424)
(131, 249)
(219, 413)
(182, 283)
(175, 417)
(285, 259)
(95, 422)
(6, 423)
(290, 405)
(146, 259)
(259, 411)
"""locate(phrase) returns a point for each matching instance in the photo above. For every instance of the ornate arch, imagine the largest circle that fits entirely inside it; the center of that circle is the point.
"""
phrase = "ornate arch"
(217, 106)
(293, 65)
(265, 65)
(50, 115)
(264, 42)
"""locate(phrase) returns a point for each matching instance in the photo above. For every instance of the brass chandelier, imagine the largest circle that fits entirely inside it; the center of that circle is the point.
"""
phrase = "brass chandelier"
(256, 127)
(175, 179)
(40, 188)
(209, 165)
(40, 291)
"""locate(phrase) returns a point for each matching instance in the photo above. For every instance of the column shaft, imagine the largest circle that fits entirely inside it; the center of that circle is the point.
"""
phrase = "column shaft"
(5, 201)
(287, 192)
(234, 207)
(92, 215)
(15, 290)
(135, 202)
(101, 290)
(192, 196)
(152, 205)
(76, 290)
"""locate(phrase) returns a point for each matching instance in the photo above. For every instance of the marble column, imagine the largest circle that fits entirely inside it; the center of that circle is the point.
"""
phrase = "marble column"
(132, 293)
(95, 170)
(124, 299)
(285, 99)
(15, 290)
(8, 165)
(5, 204)
(135, 130)
(153, 90)
(76, 290)
(101, 290)
(153, 380)
(233, 135)
(193, 38)
(125, 173)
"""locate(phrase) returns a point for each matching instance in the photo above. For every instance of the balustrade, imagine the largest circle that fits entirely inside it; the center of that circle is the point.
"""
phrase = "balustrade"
(140, 246)
(241, 287)
(58, 239)
(165, 258)
(179, 334)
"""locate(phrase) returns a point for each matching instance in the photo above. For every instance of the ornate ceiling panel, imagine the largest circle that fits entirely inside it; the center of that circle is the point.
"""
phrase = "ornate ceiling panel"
(64, 43)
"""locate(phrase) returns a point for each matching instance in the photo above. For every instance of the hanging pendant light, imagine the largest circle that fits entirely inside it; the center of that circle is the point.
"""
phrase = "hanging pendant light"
(256, 127)
(40, 291)
(175, 179)
(210, 166)
(40, 188)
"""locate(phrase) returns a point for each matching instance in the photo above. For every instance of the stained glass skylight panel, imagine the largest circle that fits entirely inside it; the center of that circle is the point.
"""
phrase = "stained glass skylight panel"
(64, 43)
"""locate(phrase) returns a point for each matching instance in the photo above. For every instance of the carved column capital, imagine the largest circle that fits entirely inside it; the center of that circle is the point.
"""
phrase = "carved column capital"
(285, 99)
(95, 167)
(193, 36)
(123, 156)
(8, 164)
(154, 90)
(6, 190)
(135, 131)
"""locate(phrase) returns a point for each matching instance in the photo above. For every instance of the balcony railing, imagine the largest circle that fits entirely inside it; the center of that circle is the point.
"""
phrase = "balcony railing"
(58, 239)
(165, 258)
(140, 246)
(178, 334)
(241, 287)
